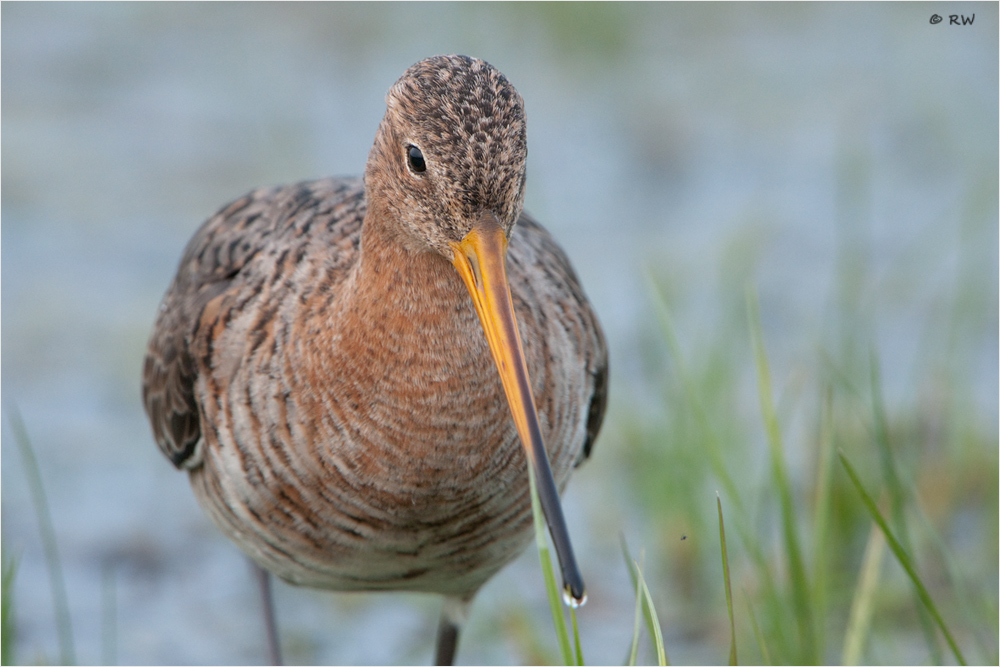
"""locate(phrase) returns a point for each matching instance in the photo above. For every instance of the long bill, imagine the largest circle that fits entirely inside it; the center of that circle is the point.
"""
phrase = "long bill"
(481, 261)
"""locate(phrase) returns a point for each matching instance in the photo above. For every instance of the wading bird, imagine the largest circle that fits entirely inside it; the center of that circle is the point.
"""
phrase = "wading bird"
(357, 374)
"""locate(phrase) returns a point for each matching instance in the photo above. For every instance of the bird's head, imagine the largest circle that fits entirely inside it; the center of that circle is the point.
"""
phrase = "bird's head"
(450, 151)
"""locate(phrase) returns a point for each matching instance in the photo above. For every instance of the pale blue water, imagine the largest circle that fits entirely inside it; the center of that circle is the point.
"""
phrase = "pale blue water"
(659, 135)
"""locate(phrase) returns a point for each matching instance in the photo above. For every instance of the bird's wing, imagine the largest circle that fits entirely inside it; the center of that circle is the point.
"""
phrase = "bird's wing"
(220, 259)
(571, 307)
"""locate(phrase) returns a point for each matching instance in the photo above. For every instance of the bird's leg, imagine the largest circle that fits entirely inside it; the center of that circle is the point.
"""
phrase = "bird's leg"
(263, 578)
(453, 616)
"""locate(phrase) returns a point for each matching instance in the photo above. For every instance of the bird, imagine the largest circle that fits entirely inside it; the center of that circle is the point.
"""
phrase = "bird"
(357, 374)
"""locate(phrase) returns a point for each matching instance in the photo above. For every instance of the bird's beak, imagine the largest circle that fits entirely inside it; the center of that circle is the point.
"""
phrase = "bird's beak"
(481, 261)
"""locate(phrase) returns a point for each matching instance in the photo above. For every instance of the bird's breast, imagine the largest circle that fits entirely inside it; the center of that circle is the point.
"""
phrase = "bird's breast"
(379, 444)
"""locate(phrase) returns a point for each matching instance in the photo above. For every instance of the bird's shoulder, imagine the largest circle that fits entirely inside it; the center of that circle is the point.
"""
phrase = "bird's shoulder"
(326, 212)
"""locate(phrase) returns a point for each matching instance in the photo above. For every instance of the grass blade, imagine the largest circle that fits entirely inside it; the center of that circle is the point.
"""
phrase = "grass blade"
(638, 607)
(652, 624)
(823, 503)
(902, 557)
(897, 494)
(800, 585)
(758, 635)
(860, 617)
(576, 637)
(555, 599)
(729, 590)
(657, 638)
(8, 619)
(886, 459)
(67, 654)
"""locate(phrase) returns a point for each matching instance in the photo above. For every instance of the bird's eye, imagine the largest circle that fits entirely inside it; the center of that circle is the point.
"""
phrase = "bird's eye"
(416, 158)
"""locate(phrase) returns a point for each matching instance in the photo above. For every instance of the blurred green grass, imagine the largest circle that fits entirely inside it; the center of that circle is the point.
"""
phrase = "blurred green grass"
(812, 577)
(811, 586)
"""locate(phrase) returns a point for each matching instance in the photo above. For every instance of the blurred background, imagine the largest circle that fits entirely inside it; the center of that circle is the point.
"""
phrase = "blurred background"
(838, 161)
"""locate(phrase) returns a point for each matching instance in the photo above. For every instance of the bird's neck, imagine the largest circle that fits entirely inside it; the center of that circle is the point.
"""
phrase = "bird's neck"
(395, 274)
(404, 334)
(406, 303)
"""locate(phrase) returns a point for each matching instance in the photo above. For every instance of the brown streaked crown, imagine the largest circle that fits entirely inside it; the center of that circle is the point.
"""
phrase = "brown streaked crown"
(468, 122)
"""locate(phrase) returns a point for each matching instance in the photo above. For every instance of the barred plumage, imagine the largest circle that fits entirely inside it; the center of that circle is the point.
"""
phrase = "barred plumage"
(319, 368)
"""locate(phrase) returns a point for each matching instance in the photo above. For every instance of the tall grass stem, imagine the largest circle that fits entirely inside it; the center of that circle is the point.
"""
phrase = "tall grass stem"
(729, 590)
(897, 494)
(8, 618)
(661, 651)
(823, 503)
(576, 637)
(862, 606)
(635, 626)
(758, 635)
(555, 602)
(64, 627)
(902, 557)
(800, 584)
(652, 623)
